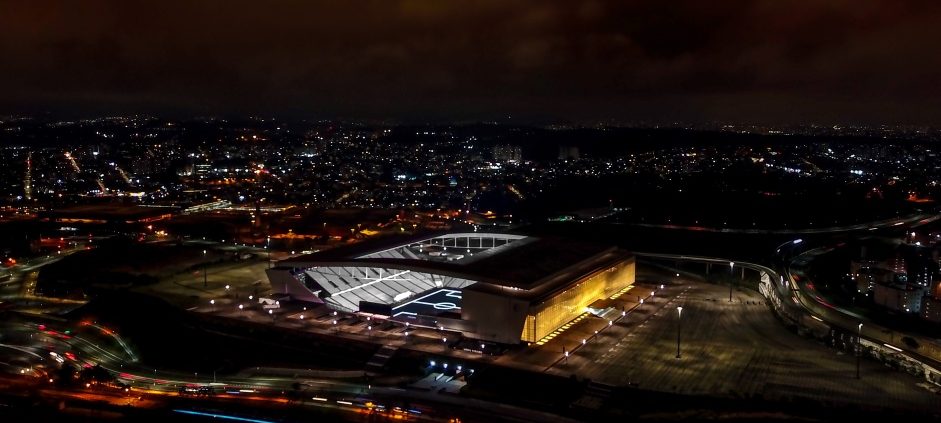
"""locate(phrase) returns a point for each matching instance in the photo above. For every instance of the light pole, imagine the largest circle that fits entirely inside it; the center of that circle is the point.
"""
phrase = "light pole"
(679, 322)
(205, 280)
(731, 266)
(268, 247)
(859, 332)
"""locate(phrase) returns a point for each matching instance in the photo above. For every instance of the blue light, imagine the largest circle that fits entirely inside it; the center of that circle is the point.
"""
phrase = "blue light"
(222, 416)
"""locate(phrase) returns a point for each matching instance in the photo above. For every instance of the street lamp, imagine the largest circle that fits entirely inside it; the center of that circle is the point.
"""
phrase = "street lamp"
(731, 266)
(859, 332)
(205, 280)
(679, 322)
(268, 247)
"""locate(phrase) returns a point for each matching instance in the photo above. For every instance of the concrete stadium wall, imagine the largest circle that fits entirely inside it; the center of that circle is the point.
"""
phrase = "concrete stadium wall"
(283, 282)
(498, 318)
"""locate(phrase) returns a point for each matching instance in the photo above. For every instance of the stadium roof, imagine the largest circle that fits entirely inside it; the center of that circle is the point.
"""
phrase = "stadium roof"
(524, 267)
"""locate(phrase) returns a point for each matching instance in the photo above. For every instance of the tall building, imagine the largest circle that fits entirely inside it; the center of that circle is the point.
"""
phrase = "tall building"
(931, 309)
(201, 171)
(899, 297)
(507, 153)
(567, 152)
(28, 178)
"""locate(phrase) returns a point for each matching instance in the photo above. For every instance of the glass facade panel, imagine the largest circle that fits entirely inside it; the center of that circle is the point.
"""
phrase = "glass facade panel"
(565, 306)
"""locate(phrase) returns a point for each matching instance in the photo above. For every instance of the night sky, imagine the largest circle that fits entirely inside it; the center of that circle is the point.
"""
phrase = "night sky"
(775, 61)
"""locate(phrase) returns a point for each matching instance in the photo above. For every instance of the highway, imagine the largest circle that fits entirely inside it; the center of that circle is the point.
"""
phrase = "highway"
(848, 321)
(33, 349)
(911, 220)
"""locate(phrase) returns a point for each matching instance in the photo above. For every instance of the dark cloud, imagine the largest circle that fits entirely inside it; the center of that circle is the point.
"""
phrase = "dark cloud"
(835, 60)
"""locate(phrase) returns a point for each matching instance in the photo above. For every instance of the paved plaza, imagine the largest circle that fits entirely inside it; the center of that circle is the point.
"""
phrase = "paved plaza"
(735, 349)
(728, 349)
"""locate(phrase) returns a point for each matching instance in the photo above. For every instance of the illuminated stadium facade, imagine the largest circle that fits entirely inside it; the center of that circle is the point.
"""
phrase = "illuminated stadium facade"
(503, 288)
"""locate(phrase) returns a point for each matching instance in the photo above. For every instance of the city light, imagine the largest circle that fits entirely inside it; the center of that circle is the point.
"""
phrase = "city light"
(560, 161)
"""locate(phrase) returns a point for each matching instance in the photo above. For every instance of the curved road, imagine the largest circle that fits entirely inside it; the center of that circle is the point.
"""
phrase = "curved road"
(791, 293)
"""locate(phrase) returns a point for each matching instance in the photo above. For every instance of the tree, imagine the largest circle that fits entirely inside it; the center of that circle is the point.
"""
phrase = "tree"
(97, 374)
(65, 375)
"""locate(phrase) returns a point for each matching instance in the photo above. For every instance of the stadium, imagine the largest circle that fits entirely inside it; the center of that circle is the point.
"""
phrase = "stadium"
(495, 287)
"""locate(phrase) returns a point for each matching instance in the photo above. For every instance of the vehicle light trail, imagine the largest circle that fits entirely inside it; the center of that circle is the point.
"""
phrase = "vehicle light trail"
(221, 416)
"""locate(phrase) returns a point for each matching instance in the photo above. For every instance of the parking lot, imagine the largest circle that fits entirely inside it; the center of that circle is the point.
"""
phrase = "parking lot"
(734, 349)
